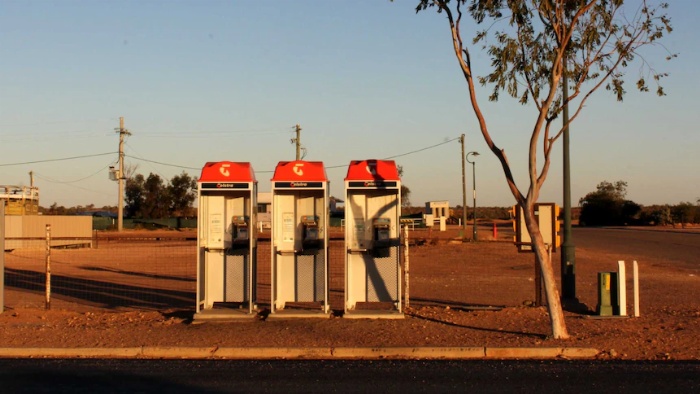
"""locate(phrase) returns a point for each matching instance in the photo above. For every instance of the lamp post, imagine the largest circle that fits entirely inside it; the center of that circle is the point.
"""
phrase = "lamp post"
(473, 188)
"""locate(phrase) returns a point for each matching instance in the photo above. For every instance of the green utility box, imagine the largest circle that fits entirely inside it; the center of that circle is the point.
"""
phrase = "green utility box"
(608, 302)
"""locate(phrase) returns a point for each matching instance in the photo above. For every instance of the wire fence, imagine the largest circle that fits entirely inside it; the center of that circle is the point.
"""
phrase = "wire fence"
(157, 271)
(116, 274)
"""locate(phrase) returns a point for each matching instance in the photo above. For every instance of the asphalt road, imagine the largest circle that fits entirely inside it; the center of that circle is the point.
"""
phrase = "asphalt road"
(225, 376)
(681, 247)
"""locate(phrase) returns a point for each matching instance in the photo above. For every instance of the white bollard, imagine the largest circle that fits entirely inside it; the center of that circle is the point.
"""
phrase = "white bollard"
(621, 287)
(635, 278)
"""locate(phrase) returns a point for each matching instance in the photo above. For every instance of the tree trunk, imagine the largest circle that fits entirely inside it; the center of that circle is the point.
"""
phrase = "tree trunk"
(556, 314)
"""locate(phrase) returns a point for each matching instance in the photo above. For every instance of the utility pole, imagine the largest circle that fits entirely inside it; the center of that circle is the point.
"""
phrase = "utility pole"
(473, 163)
(2, 256)
(297, 140)
(568, 250)
(464, 190)
(120, 202)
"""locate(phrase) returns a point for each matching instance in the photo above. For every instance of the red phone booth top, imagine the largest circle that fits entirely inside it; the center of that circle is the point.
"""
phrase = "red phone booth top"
(372, 170)
(300, 171)
(227, 171)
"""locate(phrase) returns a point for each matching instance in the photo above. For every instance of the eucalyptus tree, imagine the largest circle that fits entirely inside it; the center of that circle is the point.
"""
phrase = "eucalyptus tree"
(533, 46)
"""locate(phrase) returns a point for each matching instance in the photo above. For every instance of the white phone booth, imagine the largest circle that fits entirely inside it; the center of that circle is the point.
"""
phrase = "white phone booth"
(372, 240)
(226, 240)
(299, 240)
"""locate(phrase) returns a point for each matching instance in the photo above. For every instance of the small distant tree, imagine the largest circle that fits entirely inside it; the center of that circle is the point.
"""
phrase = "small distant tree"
(684, 212)
(134, 195)
(151, 198)
(156, 198)
(607, 206)
(182, 192)
(405, 191)
(658, 215)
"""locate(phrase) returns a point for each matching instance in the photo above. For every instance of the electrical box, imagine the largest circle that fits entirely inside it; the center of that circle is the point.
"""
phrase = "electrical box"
(547, 216)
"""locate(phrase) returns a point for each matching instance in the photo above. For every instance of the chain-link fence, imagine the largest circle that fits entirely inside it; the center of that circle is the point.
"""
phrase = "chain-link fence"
(156, 270)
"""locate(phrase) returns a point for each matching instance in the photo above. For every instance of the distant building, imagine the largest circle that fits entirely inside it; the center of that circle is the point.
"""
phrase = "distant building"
(336, 205)
(438, 209)
(265, 209)
(20, 200)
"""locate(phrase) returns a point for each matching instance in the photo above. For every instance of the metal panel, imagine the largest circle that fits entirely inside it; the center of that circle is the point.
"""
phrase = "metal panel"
(383, 278)
(236, 282)
(35, 227)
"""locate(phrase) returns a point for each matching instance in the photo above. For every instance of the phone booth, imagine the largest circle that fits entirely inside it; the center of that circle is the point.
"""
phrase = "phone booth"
(372, 240)
(226, 242)
(299, 240)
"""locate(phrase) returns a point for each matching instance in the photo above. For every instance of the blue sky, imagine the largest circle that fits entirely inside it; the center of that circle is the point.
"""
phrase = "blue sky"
(200, 81)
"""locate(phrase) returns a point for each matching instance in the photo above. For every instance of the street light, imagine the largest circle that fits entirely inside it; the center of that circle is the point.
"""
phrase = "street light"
(474, 187)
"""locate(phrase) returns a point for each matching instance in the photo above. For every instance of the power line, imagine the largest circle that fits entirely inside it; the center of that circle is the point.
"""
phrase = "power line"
(163, 164)
(47, 179)
(88, 190)
(154, 169)
(405, 154)
(45, 122)
(53, 160)
(199, 168)
(422, 149)
(206, 134)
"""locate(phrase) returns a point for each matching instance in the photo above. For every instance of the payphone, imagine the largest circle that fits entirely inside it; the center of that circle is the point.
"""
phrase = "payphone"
(240, 235)
(310, 233)
(372, 259)
(381, 237)
(299, 240)
(227, 248)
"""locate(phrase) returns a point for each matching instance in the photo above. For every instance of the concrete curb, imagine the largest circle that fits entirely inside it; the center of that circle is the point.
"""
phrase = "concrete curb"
(320, 353)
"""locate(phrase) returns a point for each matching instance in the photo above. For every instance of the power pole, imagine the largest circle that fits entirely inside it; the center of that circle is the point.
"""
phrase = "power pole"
(568, 250)
(2, 256)
(464, 190)
(297, 140)
(120, 202)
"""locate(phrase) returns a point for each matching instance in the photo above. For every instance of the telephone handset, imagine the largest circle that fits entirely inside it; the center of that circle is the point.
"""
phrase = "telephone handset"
(381, 236)
(240, 234)
(310, 232)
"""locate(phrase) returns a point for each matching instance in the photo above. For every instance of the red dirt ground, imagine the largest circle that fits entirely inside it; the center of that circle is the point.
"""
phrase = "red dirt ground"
(451, 284)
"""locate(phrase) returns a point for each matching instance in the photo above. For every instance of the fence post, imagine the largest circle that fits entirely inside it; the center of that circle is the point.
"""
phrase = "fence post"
(622, 288)
(405, 254)
(2, 256)
(48, 267)
(635, 279)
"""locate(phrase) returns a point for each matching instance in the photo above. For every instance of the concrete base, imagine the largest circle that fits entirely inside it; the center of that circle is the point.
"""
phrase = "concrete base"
(224, 314)
(319, 353)
(373, 314)
(298, 314)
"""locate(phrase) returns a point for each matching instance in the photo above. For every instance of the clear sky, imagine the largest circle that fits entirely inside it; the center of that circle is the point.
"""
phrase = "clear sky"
(200, 81)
